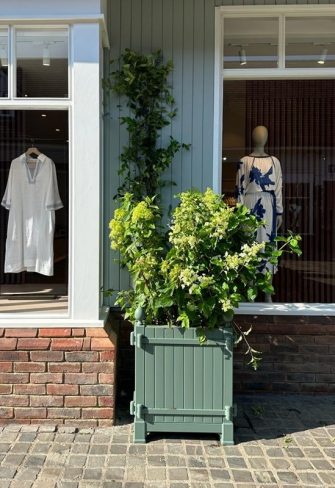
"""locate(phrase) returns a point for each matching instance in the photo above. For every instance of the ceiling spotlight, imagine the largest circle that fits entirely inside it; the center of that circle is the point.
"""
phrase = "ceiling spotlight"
(243, 56)
(57, 130)
(3, 57)
(43, 115)
(46, 55)
(323, 56)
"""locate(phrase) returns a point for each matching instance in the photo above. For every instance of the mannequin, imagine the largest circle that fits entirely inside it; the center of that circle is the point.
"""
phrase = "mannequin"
(259, 187)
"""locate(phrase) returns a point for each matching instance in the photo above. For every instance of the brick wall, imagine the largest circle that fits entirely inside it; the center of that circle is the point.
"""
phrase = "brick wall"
(58, 375)
(298, 355)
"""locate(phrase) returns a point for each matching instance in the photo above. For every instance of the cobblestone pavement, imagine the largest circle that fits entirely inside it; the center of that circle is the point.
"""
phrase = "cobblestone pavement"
(281, 441)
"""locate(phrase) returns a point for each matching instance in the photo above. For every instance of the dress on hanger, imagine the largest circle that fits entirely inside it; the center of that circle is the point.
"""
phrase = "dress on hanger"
(259, 187)
(31, 196)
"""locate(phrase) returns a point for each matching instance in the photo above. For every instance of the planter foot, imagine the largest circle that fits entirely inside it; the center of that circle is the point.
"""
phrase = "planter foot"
(140, 434)
(227, 436)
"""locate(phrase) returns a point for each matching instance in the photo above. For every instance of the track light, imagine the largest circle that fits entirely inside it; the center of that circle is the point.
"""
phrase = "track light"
(323, 56)
(243, 56)
(46, 55)
(3, 57)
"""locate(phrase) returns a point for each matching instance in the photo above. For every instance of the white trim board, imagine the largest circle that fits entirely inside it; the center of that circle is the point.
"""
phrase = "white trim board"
(310, 309)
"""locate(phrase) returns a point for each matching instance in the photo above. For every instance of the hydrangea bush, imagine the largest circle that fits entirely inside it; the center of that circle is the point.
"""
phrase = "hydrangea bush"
(199, 270)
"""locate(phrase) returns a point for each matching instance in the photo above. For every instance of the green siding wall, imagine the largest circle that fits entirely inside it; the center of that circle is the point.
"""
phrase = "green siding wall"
(184, 30)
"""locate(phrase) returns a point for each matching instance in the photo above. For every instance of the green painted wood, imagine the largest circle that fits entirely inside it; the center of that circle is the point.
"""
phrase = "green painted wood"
(184, 30)
(185, 385)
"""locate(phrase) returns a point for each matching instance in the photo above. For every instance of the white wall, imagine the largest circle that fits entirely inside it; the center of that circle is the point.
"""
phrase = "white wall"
(44, 8)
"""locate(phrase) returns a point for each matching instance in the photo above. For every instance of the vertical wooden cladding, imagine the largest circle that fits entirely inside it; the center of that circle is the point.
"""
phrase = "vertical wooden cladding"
(184, 31)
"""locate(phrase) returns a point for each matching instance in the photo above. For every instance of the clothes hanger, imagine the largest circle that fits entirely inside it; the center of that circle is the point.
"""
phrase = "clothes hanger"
(32, 150)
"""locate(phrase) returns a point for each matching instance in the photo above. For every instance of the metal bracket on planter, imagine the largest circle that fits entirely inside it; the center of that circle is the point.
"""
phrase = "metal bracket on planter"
(136, 339)
(136, 409)
(229, 412)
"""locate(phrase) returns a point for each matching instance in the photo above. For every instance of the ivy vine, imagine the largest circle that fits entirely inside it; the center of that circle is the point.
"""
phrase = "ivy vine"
(143, 81)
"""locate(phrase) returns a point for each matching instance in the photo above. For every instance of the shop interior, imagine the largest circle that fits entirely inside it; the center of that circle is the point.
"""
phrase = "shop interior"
(47, 130)
(300, 118)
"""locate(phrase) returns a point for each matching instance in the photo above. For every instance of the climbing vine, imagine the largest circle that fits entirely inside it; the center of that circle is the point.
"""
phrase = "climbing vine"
(143, 81)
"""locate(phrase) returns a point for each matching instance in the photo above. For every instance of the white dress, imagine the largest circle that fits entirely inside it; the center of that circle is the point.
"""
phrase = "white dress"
(31, 197)
(259, 187)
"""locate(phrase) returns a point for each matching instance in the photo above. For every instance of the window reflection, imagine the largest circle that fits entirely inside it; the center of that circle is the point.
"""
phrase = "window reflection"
(42, 63)
(3, 63)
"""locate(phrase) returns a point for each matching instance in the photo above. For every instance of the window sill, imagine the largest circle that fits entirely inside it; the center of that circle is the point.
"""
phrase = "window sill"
(24, 321)
(286, 309)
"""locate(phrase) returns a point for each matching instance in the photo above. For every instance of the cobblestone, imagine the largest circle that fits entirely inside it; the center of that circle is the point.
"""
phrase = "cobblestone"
(289, 444)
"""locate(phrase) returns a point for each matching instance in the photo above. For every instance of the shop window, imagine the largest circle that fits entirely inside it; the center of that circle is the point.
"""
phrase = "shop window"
(250, 43)
(3, 62)
(42, 63)
(34, 187)
(300, 118)
(310, 42)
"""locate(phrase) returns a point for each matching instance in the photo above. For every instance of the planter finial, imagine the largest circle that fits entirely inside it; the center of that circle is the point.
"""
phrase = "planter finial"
(139, 316)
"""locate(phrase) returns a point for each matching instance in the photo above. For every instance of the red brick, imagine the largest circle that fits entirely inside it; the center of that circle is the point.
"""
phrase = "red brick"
(2, 331)
(29, 389)
(21, 333)
(13, 356)
(98, 367)
(6, 413)
(66, 344)
(82, 423)
(64, 367)
(86, 344)
(47, 356)
(96, 332)
(100, 344)
(46, 401)
(54, 332)
(14, 400)
(81, 378)
(80, 401)
(97, 413)
(106, 378)
(106, 401)
(30, 413)
(7, 344)
(77, 332)
(62, 389)
(14, 377)
(73, 413)
(29, 367)
(95, 390)
(82, 356)
(6, 367)
(107, 355)
(106, 423)
(46, 377)
(5, 389)
(35, 343)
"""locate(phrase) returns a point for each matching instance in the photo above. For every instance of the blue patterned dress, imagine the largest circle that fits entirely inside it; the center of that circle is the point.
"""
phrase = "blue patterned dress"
(259, 187)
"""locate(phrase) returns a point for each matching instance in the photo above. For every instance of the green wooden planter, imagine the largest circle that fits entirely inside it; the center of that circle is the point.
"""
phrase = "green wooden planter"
(180, 385)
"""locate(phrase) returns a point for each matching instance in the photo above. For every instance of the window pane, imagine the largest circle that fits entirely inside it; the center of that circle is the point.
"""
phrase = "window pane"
(300, 118)
(34, 227)
(42, 63)
(3, 63)
(310, 42)
(251, 43)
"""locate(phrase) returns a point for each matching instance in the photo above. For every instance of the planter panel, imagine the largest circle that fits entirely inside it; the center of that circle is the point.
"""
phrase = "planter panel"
(180, 385)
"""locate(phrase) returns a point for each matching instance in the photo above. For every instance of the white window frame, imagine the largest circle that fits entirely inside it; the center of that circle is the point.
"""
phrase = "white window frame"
(87, 37)
(221, 74)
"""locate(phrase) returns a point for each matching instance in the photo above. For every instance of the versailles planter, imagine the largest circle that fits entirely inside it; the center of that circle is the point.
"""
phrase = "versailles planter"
(181, 385)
